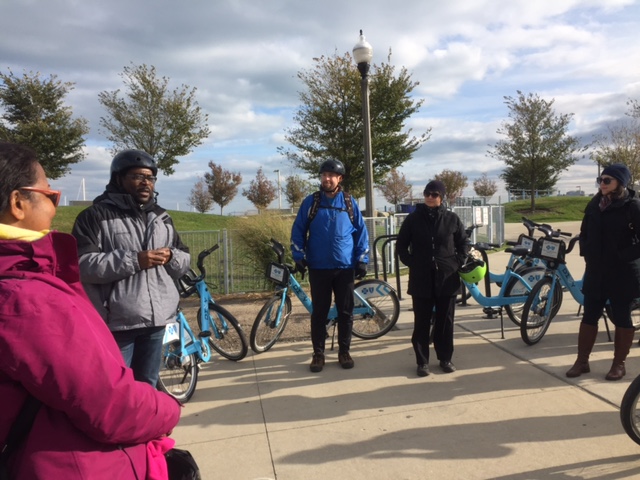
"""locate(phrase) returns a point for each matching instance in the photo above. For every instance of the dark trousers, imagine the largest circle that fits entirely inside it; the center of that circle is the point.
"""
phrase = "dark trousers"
(324, 285)
(423, 310)
(142, 351)
(620, 311)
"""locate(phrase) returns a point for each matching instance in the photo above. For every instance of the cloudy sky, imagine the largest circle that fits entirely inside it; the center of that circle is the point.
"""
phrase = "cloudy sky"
(243, 57)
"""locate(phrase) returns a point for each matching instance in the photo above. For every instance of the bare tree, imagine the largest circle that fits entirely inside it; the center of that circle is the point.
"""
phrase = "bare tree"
(261, 191)
(454, 182)
(200, 198)
(395, 187)
(222, 184)
(485, 187)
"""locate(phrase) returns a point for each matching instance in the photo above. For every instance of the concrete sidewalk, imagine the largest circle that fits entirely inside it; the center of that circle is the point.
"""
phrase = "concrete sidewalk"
(507, 413)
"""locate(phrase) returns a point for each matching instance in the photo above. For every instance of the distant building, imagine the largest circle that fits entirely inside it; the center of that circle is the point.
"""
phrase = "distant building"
(575, 193)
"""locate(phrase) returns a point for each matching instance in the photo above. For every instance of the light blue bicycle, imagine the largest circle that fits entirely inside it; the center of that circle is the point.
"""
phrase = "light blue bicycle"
(376, 306)
(183, 350)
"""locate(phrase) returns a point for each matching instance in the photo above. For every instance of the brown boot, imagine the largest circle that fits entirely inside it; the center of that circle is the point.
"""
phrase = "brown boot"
(621, 344)
(586, 339)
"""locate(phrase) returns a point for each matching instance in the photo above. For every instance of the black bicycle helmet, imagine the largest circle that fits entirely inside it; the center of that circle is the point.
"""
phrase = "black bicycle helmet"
(334, 166)
(127, 159)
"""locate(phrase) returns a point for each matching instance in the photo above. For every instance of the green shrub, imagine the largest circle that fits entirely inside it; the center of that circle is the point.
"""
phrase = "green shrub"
(255, 233)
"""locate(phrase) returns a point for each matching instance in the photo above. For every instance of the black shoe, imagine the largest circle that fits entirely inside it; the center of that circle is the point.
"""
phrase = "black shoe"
(345, 360)
(423, 370)
(447, 366)
(317, 362)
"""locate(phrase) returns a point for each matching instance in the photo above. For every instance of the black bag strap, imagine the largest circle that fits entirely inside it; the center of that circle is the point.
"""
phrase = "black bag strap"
(19, 432)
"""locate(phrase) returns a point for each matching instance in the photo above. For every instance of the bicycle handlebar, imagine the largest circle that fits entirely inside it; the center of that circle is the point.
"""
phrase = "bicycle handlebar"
(189, 279)
(545, 228)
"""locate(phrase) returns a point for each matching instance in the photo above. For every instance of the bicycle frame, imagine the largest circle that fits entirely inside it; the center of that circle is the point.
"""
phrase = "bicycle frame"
(363, 309)
(180, 331)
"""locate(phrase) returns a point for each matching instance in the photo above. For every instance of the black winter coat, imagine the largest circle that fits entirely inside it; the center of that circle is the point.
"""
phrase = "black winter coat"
(612, 261)
(433, 245)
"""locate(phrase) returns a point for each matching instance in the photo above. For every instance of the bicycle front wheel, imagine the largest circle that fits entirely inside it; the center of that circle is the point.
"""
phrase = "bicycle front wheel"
(379, 314)
(629, 413)
(515, 288)
(535, 320)
(270, 323)
(227, 337)
(178, 374)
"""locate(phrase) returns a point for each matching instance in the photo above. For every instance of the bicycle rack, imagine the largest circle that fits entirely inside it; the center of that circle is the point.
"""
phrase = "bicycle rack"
(387, 239)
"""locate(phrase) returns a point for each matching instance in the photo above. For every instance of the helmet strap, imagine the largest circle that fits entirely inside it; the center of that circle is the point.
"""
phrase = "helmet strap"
(332, 192)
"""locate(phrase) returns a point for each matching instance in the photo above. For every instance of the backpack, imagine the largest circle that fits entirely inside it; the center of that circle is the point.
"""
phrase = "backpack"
(313, 211)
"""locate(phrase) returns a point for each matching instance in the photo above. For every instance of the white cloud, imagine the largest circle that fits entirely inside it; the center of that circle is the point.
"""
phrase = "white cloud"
(243, 57)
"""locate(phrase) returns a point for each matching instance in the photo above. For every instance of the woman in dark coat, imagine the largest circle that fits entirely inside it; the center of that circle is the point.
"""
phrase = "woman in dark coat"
(432, 242)
(612, 271)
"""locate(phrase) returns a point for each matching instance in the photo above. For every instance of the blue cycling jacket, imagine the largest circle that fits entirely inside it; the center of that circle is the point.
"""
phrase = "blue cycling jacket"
(330, 240)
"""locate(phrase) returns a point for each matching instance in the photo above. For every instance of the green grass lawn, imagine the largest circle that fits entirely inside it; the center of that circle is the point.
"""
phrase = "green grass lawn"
(548, 209)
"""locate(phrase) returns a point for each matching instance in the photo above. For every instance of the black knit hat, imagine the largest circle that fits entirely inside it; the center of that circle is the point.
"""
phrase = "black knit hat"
(620, 172)
(435, 186)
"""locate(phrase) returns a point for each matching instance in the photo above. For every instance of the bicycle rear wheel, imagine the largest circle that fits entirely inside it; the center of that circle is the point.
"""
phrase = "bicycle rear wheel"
(535, 321)
(629, 412)
(383, 299)
(178, 375)
(269, 325)
(635, 313)
(227, 337)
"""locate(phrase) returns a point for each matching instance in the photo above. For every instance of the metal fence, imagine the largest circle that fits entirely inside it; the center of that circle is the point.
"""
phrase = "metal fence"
(230, 269)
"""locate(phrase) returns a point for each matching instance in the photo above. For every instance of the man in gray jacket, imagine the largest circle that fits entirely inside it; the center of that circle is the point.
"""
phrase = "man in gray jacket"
(129, 254)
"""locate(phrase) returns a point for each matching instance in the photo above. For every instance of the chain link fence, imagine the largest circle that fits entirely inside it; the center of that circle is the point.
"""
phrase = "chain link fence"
(230, 269)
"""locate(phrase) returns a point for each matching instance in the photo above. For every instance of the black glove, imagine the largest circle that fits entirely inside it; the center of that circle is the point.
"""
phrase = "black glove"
(361, 270)
(301, 266)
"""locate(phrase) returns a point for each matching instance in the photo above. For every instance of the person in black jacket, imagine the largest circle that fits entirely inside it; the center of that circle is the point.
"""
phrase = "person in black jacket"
(432, 242)
(612, 272)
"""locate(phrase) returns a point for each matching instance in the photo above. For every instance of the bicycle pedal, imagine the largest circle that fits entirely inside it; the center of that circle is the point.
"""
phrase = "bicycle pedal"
(204, 334)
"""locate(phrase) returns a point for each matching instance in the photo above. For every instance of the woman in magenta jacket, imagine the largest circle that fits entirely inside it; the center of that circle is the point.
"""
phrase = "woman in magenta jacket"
(95, 419)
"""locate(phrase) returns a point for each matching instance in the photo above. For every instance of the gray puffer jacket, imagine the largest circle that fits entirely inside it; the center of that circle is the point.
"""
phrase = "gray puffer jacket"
(110, 234)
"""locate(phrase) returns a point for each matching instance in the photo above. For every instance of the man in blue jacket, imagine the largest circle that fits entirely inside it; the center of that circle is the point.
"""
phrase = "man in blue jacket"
(330, 238)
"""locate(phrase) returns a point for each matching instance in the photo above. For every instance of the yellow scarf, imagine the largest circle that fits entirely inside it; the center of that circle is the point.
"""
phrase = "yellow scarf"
(7, 232)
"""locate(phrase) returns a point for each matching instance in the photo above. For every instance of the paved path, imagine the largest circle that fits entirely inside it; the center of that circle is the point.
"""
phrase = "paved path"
(507, 413)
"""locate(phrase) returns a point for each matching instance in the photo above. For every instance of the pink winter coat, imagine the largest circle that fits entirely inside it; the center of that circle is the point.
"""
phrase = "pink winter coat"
(95, 419)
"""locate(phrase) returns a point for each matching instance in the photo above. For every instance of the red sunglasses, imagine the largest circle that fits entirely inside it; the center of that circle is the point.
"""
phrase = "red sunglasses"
(53, 195)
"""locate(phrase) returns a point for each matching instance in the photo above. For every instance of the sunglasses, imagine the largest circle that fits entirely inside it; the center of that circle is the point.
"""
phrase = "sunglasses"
(53, 195)
(432, 194)
(605, 180)
(138, 177)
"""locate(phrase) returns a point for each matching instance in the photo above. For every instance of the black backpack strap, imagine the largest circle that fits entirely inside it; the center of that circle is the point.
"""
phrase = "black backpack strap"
(19, 432)
(313, 211)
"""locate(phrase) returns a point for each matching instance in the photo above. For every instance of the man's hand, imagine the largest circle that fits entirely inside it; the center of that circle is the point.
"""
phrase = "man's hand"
(301, 266)
(361, 271)
(153, 258)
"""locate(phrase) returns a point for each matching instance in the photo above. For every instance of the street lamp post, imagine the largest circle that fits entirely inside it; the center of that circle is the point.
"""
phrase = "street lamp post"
(362, 54)
(279, 191)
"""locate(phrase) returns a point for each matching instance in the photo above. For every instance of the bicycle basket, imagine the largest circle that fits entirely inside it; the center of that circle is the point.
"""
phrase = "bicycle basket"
(526, 241)
(551, 250)
(186, 284)
(278, 274)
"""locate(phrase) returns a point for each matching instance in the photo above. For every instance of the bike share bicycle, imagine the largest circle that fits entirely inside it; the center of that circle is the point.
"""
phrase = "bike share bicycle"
(539, 310)
(375, 312)
(183, 350)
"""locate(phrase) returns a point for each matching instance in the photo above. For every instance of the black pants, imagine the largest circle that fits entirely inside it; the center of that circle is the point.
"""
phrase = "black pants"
(620, 311)
(325, 284)
(423, 310)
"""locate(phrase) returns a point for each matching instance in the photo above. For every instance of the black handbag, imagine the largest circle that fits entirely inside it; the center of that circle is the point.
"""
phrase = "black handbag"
(18, 432)
(181, 465)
